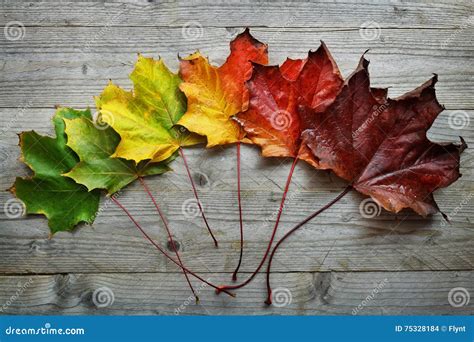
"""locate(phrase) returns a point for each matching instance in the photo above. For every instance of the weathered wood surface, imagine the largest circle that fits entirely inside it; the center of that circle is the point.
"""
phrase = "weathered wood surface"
(236, 13)
(332, 293)
(90, 56)
(70, 50)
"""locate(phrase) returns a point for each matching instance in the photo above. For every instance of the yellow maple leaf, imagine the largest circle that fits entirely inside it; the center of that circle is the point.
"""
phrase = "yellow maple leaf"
(215, 94)
(145, 118)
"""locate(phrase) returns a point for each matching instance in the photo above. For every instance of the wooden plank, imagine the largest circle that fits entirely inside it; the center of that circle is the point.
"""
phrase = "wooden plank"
(67, 53)
(70, 65)
(340, 239)
(85, 42)
(214, 168)
(333, 293)
(229, 13)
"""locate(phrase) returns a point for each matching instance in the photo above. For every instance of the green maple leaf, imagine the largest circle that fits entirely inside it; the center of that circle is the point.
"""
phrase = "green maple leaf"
(64, 202)
(145, 118)
(97, 169)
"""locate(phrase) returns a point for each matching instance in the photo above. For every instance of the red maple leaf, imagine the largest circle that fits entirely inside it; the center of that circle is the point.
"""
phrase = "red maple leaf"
(380, 145)
(272, 120)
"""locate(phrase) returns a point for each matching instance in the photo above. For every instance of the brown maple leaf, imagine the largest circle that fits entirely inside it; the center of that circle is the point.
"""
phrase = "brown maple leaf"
(380, 145)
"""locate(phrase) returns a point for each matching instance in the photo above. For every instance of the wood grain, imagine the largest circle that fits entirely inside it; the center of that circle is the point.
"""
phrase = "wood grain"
(333, 293)
(68, 52)
(240, 13)
(340, 239)
(34, 68)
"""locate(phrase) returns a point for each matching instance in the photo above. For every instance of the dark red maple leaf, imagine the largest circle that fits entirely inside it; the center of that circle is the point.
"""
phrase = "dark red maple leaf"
(272, 120)
(380, 145)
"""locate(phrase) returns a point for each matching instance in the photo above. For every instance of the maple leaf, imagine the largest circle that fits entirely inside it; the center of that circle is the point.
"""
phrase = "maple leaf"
(97, 169)
(272, 119)
(64, 202)
(94, 144)
(145, 118)
(215, 94)
(380, 145)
